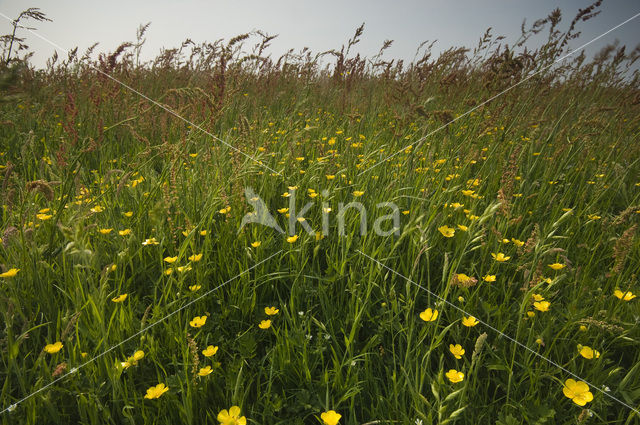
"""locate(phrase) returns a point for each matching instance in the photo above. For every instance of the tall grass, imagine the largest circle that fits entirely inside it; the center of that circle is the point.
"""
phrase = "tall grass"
(553, 163)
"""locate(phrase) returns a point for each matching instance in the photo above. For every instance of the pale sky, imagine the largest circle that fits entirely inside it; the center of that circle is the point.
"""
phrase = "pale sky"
(319, 25)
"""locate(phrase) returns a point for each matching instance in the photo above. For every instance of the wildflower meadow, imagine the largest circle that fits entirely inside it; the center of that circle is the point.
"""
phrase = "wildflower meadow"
(223, 236)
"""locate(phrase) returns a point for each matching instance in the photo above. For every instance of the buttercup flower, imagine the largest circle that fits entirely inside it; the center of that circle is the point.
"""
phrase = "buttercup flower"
(292, 239)
(231, 417)
(10, 273)
(198, 321)
(588, 352)
(256, 244)
(358, 193)
(626, 296)
(53, 348)
(517, 242)
(171, 260)
(265, 324)
(454, 376)
(195, 257)
(429, 315)
(331, 417)
(271, 311)
(577, 391)
(210, 351)
(456, 350)
(541, 305)
(119, 298)
(500, 257)
(557, 266)
(133, 360)
(489, 278)
(156, 391)
(205, 371)
(150, 241)
(447, 231)
(469, 321)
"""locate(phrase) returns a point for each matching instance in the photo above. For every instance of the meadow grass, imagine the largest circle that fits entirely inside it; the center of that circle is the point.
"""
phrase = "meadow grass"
(105, 194)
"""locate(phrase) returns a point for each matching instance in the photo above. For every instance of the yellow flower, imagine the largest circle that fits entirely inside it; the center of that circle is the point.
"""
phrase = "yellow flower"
(265, 324)
(150, 241)
(557, 266)
(531, 314)
(577, 391)
(53, 348)
(292, 239)
(463, 278)
(517, 242)
(124, 232)
(463, 227)
(105, 231)
(627, 296)
(500, 257)
(198, 321)
(447, 231)
(283, 210)
(455, 376)
(225, 210)
(271, 311)
(331, 417)
(203, 233)
(330, 176)
(358, 193)
(588, 352)
(231, 417)
(456, 350)
(541, 305)
(119, 298)
(256, 244)
(537, 297)
(133, 360)
(489, 278)
(194, 288)
(429, 315)
(171, 260)
(184, 268)
(205, 371)
(156, 392)
(10, 273)
(195, 257)
(210, 351)
(128, 214)
(469, 321)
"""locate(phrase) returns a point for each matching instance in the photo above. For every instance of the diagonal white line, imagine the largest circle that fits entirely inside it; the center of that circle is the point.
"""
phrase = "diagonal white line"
(502, 334)
(143, 330)
(167, 109)
(422, 139)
